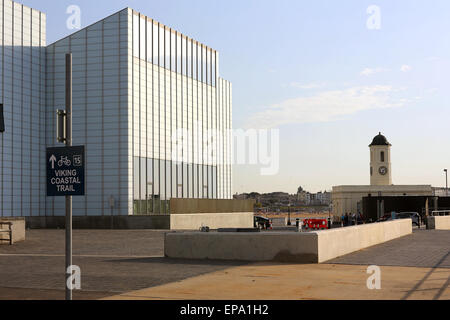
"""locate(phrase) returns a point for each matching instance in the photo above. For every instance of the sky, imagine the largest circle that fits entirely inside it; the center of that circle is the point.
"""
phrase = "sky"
(329, 75)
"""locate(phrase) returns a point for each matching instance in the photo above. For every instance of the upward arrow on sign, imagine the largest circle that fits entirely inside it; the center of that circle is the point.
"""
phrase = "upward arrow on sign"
(53, 160)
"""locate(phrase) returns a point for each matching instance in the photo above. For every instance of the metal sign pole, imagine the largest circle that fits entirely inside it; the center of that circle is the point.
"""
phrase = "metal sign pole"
(68, 198)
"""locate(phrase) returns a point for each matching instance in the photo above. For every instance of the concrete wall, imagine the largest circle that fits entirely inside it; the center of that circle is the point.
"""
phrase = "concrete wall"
(211, 220)
(106, 222)
(439, 223)
(312, 247)
(18, 230)
(338, 242)
(278, 246)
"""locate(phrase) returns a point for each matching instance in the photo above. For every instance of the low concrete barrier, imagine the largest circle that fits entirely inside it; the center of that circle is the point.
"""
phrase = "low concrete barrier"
(439, 223)
(338, 242)
(212, 220)
(311, 247)
(102, 222)
(18, 230)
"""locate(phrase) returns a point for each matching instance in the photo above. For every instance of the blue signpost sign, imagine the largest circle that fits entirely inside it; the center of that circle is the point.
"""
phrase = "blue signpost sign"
(65, 171)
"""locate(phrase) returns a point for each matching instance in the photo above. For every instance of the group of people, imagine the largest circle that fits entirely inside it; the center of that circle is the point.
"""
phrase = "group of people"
(350, 219)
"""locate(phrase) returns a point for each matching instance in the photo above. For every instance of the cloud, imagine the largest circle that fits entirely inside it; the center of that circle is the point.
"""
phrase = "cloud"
(370, 71)
(405, 68)
(306, 86)
(326, 106)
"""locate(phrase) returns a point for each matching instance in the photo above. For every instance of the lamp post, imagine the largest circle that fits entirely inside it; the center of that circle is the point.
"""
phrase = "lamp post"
(446, 182)
(289, 213)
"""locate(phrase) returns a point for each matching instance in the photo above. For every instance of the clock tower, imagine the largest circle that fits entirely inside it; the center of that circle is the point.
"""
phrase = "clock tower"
(380, 161)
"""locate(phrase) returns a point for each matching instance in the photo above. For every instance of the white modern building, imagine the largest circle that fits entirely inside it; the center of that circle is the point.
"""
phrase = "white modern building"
(22, 93)
(136, 84)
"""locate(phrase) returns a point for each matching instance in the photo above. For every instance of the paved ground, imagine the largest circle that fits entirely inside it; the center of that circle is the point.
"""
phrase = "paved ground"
(263, 281)
(130, 265)
(424, 248)
(413, 267)
(111, 262)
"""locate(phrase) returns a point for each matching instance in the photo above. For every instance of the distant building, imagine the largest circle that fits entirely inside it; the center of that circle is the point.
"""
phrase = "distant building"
(324, 197)
(441, 192)
(348, 199)
(308, 198)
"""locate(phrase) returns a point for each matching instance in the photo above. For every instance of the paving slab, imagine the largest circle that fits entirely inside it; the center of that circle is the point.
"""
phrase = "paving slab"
(111, 262)
(264, 281)
(423, 248)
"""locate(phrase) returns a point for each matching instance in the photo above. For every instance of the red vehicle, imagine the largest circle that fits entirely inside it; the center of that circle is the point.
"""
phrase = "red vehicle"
(316, 224)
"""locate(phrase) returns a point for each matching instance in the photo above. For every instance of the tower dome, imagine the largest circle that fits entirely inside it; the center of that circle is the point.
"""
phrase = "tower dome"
(380, 140)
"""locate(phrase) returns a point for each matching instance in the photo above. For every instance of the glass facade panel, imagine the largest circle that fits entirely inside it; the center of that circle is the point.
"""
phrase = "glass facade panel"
(185, 179)
(173, 103)
(136, 192)
(204, 67)
(173, 54)
(189, 59)
(205, 182)
(190, 180)
(174, 180)
(208, 67)
(179, 180)
(152, 40)
(155, 46)
(161, 45)
(135, 35)
(214, 69)
(194, 62)
(152, 192)
(149, 41)
(200, 181)
(195, 184)
(178, 52)
(214, 183)
(143, 37)
(162, 179)
(167, 51)
(156, 196)
(149, 186)
(184, 56)
(143, 187)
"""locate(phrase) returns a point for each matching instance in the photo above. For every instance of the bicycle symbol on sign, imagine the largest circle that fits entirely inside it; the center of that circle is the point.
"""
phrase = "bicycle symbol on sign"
(64, 161)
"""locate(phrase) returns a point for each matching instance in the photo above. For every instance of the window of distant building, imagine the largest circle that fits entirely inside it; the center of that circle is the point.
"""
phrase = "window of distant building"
(382, 156)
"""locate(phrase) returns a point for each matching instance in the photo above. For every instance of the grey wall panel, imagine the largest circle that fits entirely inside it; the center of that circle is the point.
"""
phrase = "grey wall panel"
(22, 91)
(100, 95)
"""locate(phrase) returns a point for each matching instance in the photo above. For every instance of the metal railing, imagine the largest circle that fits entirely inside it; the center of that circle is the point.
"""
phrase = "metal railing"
(438, 213)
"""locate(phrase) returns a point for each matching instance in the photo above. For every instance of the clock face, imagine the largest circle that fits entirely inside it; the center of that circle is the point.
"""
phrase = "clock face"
(383, 171)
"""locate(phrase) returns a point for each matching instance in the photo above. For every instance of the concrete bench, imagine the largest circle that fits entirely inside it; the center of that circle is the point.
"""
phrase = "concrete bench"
(8, 231)
(12, 229)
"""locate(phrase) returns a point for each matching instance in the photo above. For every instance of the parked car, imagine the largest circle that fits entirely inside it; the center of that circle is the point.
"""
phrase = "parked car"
(262, 223)
(386, 217)
(414, 216)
